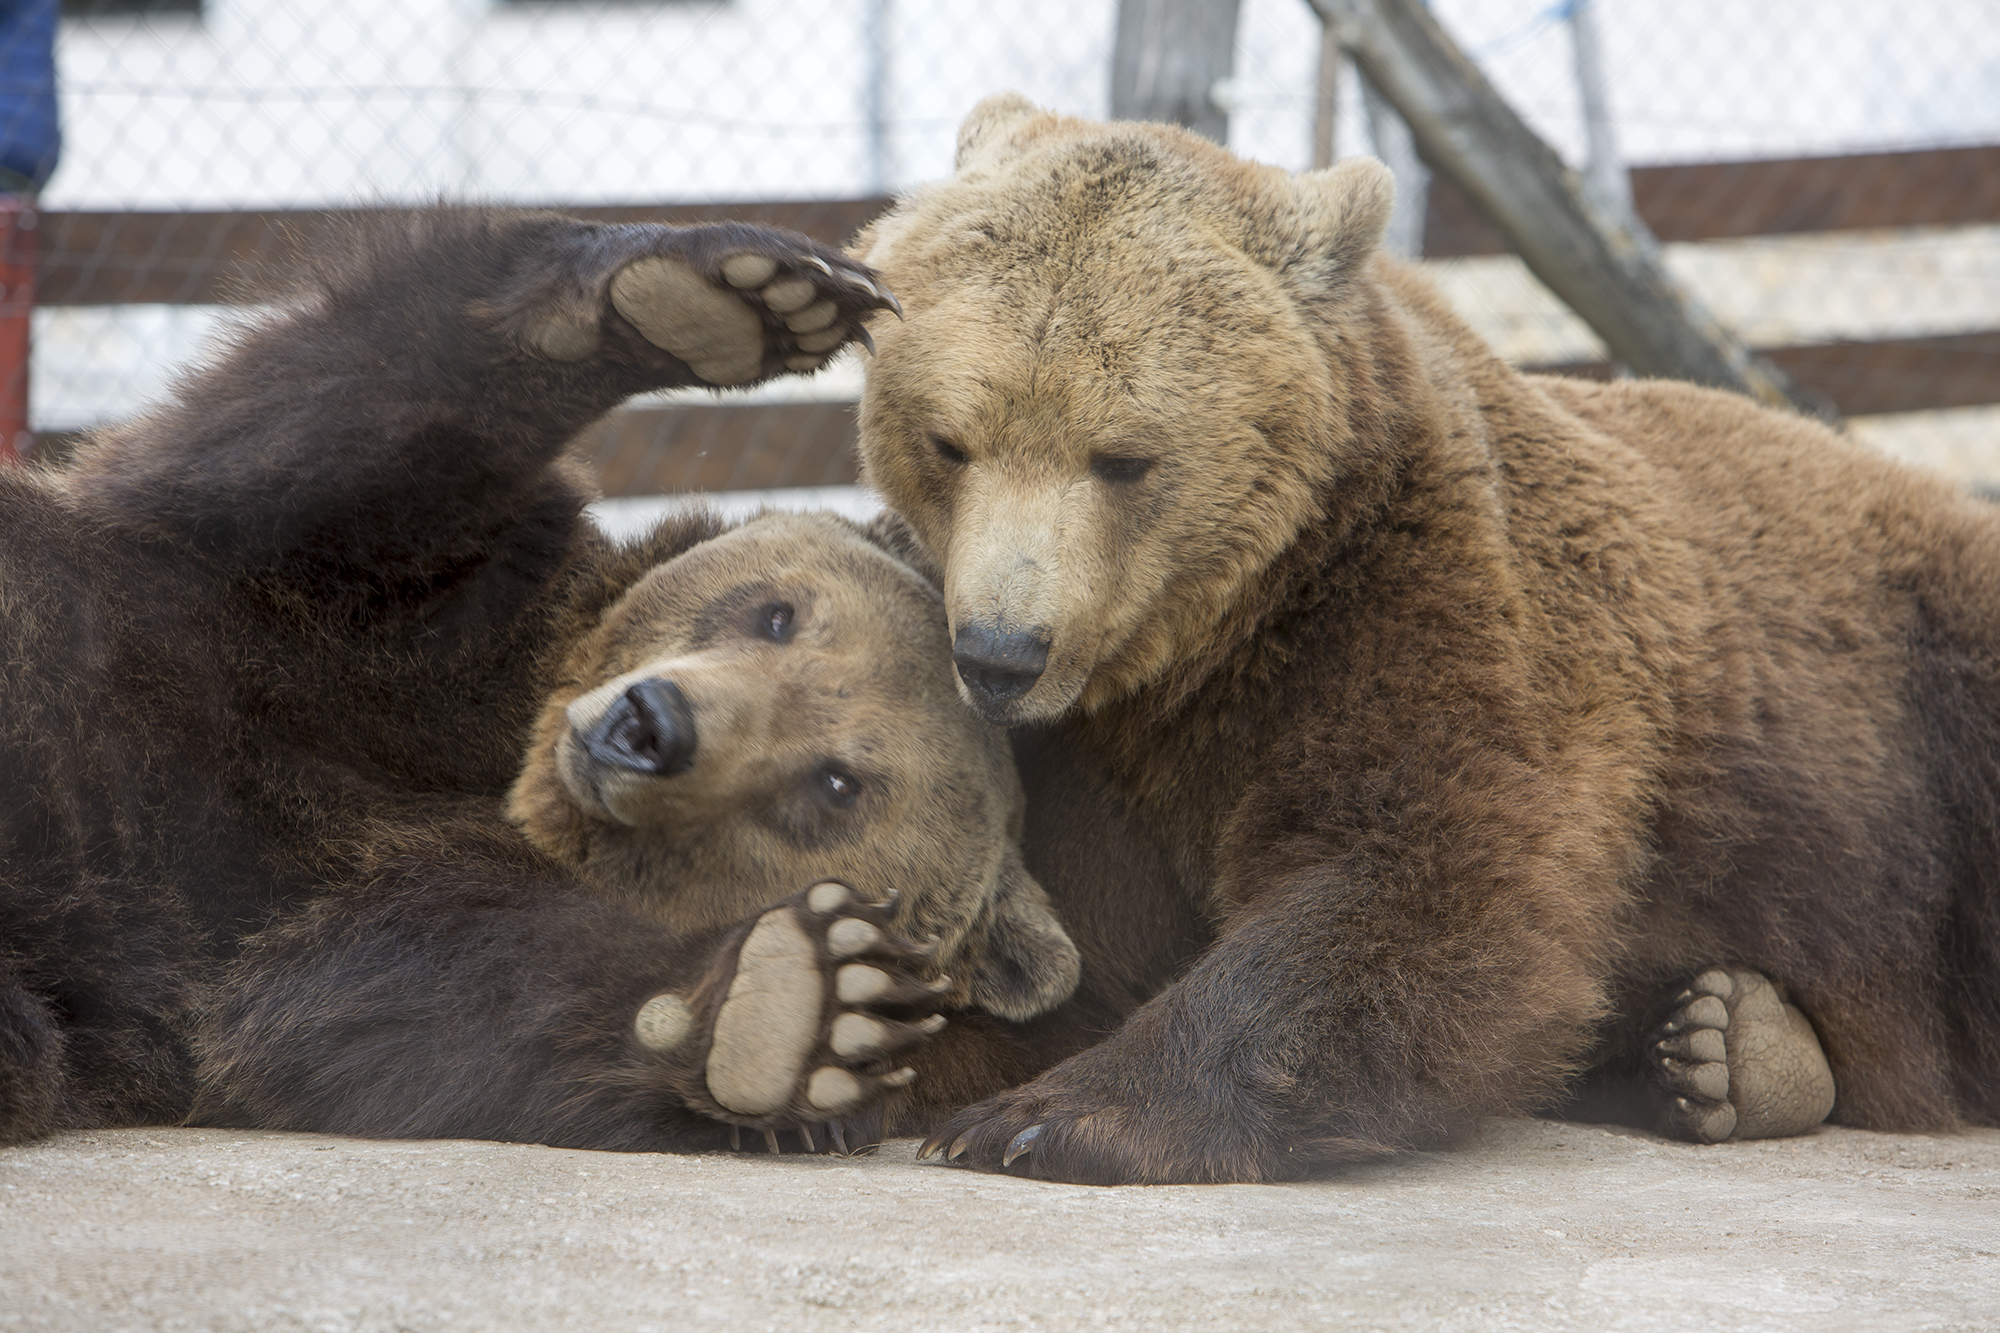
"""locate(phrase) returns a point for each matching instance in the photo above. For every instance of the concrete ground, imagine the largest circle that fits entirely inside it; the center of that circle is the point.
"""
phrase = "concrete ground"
(1539, 1226)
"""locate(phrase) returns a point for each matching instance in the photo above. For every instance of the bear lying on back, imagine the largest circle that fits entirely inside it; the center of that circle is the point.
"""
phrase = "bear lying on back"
(270, 656)
(1487, 708)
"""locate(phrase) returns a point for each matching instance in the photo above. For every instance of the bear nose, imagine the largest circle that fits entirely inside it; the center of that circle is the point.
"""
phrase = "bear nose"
(997, 667)
(648, 729)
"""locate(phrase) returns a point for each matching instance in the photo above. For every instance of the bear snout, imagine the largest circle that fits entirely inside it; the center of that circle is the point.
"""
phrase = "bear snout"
(648, 729)
(999, 667)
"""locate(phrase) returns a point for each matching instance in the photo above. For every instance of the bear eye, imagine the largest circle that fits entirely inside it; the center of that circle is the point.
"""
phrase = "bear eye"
(776, 621)
(840, 787)
(1122, 469)
(948, 451)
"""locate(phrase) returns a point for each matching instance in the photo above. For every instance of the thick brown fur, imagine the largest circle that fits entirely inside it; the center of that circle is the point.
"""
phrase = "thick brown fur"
(1484, 707)
(270, 656)
(836, 746)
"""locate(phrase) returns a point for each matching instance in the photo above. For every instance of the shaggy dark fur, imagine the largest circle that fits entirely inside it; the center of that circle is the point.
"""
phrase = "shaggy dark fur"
(268, 658)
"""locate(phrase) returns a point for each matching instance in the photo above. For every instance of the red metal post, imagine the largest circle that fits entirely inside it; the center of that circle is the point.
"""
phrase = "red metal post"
(17, 310)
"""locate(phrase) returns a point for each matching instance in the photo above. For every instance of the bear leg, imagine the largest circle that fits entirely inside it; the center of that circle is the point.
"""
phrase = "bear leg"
(435, 364)
(474, 998)
(1734, 1061)
(31, 1065)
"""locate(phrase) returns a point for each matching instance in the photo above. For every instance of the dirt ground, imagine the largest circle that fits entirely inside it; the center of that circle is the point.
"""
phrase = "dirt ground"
(1539, 1226)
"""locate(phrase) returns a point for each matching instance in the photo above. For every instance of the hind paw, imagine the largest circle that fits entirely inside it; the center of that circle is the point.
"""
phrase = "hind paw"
(750, 311)
(803, 1021)
(1734, 1061)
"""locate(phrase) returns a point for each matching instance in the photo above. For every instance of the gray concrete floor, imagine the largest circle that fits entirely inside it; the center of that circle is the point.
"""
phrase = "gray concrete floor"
(1539, 1226)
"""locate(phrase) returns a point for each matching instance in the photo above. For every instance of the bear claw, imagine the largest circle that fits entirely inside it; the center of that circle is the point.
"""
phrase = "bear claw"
(1021, 1145)
(1733, 1061)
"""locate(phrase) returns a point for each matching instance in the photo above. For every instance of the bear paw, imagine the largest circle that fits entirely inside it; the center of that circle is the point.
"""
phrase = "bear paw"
(741, 316)
(803, 1020)
(1734, 1061)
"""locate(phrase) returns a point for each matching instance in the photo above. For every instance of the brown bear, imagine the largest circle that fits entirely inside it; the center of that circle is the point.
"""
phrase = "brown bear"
(1484, 708)
(269, 660)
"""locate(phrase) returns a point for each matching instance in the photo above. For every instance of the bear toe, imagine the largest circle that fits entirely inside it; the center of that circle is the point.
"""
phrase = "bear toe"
(833, 1090)
(812, 319)
(566, 339)
(1733, 1061)
(789, 295)
(746, 271)
(823, 341)
(664, 1022)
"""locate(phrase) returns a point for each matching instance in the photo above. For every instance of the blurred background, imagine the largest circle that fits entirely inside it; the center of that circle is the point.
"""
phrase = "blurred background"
(1824, 174)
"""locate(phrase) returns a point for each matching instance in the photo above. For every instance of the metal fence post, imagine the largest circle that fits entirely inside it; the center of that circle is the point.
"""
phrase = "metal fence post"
(17, 309)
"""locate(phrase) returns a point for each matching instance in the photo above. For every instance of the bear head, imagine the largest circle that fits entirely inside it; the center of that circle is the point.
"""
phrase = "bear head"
(775, 706)
(1117, 394)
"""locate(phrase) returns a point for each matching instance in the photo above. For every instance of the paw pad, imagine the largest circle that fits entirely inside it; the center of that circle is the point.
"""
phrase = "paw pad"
(719, 331)
(847, 938)
(1734, 1061)
(802, 1031)
(663, 1022)
(753, 271)
(678, 309)
(566, 339)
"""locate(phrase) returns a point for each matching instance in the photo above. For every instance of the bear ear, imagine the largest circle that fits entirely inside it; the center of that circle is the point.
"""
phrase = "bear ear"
(1027, 963)
(1343, 210)
(983, 134)
(893, 533)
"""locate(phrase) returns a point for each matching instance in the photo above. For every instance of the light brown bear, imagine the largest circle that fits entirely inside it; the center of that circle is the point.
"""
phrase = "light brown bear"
(1485, 708)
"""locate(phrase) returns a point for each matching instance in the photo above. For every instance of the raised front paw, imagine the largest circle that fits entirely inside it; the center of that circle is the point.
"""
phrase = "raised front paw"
(1734, 1061)
(803, 1020)
(738, 303)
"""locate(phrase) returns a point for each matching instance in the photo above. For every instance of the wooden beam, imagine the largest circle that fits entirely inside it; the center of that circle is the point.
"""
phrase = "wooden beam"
(724, 447)
(749, 446)
(1867, 378)
(180, 258)
(1711, 201)
(697, 447)
(209, 258)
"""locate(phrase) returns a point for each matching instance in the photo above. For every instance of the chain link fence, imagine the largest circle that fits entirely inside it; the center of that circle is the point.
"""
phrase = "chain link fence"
(1824, 173)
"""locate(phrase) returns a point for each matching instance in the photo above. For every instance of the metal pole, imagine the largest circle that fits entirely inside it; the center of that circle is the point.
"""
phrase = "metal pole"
(876, 39)
(1326, 99)
(1404, 236)
(1604, 176)
(1167, 60)
(17, 311)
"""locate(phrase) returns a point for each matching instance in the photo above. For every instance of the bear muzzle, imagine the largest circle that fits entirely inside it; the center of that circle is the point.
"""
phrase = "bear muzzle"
(649, 729)
(998, 667)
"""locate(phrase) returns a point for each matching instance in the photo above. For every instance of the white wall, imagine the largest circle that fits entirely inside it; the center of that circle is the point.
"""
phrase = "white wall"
(269, 103)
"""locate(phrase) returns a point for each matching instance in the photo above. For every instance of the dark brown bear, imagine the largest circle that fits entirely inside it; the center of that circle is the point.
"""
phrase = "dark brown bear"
(269, 659)
(1482, 709)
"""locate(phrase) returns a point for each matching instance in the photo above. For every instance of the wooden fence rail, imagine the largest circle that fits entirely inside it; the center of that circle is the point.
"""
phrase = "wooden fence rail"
(98, 259)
